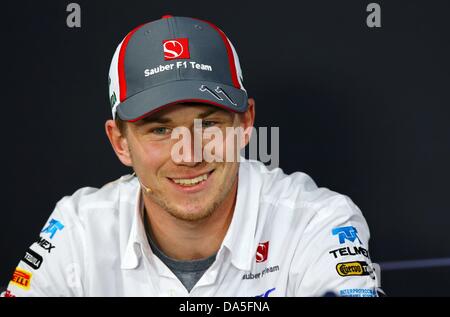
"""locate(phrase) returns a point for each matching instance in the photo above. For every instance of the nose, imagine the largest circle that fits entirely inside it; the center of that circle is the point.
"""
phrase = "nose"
(191, 150)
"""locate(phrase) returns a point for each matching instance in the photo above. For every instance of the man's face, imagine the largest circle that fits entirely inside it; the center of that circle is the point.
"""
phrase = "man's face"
(150, 146)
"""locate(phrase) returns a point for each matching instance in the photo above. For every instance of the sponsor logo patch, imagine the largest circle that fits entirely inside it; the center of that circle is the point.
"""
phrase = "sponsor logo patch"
(356, 268)
(358, 292)
(44, 244)
(349, 251)
(53, 226)
(266, 293)
(9, 294)
(32, 259)
(22, 278)
(176, 48)
(262, 252)
(346, 233)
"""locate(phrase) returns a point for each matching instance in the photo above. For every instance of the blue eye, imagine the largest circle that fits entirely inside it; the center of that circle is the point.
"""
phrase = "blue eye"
(160, 130)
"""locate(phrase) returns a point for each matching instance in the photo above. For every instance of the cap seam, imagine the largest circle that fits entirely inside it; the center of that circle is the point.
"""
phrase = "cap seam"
(173, 31)
(178, 80)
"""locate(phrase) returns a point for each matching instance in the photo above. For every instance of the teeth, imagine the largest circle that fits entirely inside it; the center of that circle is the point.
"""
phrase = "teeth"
(190, 181)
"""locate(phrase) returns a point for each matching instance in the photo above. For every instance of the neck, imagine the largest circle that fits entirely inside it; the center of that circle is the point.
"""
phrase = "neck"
(185, 240)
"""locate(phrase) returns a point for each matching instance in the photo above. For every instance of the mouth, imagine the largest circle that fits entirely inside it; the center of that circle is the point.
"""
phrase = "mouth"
(193, 184)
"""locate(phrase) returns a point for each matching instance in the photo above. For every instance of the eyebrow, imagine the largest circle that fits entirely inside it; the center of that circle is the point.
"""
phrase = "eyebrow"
(163, 119)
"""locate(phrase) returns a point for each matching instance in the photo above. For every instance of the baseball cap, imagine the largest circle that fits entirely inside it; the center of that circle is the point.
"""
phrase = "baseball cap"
(174, 60)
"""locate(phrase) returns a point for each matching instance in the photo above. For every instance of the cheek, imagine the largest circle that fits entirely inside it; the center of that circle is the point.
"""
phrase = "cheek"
(228, 172)
(233, 143)
(152, 155)
(224, 144)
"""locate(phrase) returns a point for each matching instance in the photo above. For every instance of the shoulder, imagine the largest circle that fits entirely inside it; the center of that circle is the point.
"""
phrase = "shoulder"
(81, 224)
(109, 195)
(297, 190)
(294, 200)
(89, 204)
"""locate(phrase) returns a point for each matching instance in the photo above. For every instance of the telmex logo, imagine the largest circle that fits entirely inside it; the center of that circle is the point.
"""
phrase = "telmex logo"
(176, 48)
(22, 278)
(45, 244)
(348, 251)
(357, 268)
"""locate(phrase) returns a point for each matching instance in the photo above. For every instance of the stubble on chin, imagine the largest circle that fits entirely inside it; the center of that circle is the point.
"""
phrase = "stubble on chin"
(191, 216)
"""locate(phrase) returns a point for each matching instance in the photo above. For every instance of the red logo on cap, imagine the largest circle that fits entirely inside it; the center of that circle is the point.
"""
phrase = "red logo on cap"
(176, 49)
(262, 252)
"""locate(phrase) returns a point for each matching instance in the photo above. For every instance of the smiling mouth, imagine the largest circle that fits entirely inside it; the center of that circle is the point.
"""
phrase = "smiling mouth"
(187, 182)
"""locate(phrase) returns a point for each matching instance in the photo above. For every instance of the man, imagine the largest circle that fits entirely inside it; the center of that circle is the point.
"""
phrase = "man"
(184, 226)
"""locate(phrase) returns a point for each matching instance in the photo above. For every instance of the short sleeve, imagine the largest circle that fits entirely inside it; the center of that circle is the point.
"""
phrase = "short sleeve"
(53, 264)
(332, 257)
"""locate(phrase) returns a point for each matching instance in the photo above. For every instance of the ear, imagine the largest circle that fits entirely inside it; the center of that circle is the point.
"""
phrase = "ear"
(248, 120)
(119, 143)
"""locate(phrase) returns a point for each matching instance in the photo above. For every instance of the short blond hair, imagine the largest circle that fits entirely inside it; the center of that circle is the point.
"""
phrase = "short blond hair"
(122, 125)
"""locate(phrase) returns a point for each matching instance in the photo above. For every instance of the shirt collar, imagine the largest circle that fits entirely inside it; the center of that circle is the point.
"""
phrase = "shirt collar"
(137, 236)
(241, 233)
(239, 239)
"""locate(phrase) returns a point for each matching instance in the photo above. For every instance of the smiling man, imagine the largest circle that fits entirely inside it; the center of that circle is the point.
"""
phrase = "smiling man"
(189, 205)
(190, 221)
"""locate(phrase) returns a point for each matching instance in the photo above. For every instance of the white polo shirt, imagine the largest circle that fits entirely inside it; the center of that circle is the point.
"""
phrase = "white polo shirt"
(287, 238)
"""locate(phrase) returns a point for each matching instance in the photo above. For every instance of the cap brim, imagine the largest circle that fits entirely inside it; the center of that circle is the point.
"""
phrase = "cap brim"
(151, 100)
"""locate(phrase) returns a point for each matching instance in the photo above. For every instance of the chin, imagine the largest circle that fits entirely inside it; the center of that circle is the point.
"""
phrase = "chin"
(189, 212)
(191, 216)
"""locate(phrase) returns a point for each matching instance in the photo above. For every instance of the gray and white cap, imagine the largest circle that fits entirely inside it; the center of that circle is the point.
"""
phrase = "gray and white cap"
(174, 60)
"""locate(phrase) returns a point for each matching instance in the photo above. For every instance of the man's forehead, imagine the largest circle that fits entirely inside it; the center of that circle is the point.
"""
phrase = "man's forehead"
(183, 110)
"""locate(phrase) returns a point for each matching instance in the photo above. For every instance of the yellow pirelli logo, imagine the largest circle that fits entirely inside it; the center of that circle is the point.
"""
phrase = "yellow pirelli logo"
(22, 278)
